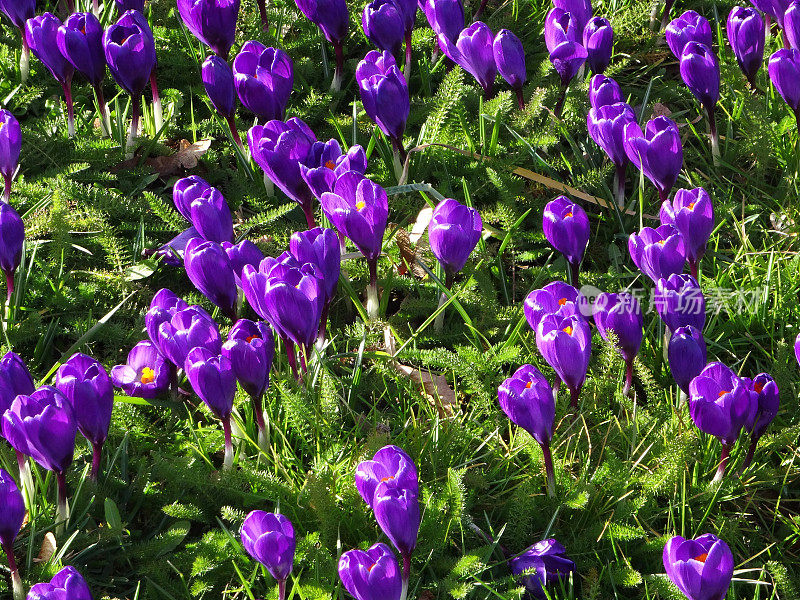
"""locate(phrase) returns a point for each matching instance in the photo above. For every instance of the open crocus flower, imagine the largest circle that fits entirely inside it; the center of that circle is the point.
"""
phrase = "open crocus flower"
(327, 163)
(220, 88)
(581, 11)
(389, 465)
(563, 37)
(680, 302)
(187, 329)
(67, 583)
(784, 72)
(11, 518)
(371, 574)
(204, 207)
(213, 22)
(604, 90)
(691, 212)
(561, 26)
(658, 253)
(146, 373)
(509, 56)
(701, 568)
(332, 17)
(163, 307)
(263, 77)
(746, 32)
(598, 39)
(565, 342)
(10, 145)
(687, 355)
(657, 152)
(566, 227)
(720, 406)
(622, 314)
(689, 27)
(542, 565)
(527, 399)
(556, 297)
(764, 392)
(606, 124)
(269, 538)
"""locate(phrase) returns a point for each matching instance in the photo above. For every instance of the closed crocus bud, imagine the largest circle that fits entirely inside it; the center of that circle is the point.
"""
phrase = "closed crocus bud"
(566, 227)
(389, 465)
(67, 584)
(188, 328)
(398, 515)
(509, 56)
(187, 190)
(746, 32)
(80, 40)
(567, 59)
(18, 11)
(622, 314)
(145, 374)
(453, 232)
(43, 426)
(250, 348)
(42, 35)
(125, 5)
(384, 93)
(88, 388)
(657, 152)
(163, 307)
(372, 574)
(691, 212)
(476, 56)
(12, 512)
(546, 563)
(384, 25)
(658, 252)
(791, 25)
(241, 254)
(15, 379)
(263, 78)
(331, 16)
(212, 379)
(332, 164)
(565, 342)
(701, 568)
(130, 52)
(527, 398)
(279, 148)
(320, 247)
(213, 22)
(700, 73)
(556, 297)
(720, 405)
(604, 90)
(598, 39)
(12, 237)
(768, 398)
(10, 144)
(218, 81)
(581, 11)
(211, 217)
(784, 72)
(687, 356)
(606, 125)
(446, 18)
(269, 539)
(689, 27)
(680, 302)
(211, 272)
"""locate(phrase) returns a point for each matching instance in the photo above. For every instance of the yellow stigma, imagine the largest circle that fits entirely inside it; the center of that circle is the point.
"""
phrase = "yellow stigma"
(148, 375)
(691, 206)
(568, 215)
(360, 205)
(567, 329)
(388, 478)
(662, 242)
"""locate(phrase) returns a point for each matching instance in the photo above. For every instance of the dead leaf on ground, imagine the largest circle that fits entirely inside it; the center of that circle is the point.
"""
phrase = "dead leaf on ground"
(408, 255)
(48, 548)
(185, 158)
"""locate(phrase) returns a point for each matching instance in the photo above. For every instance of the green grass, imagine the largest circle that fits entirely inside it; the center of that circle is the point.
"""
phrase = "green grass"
(163, 521)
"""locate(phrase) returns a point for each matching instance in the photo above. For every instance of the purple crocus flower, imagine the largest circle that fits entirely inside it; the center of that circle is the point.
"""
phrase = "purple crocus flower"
(210, 271)
(320, 247)
(163, 307)
(269, 539)
(332, 17)
(384, 24)
(87, 386)
(527, 399)
(606, 125)
(398, 515)
(680, 302)
(446, 18)
(720, 405)
(689, 27)
(797, 348)
(556, 297)
(187, 190)
(686, 355)
(10, 144)
(67, 583)
(189, 328)
(12, 238)
(15, 379)
(213, 380)
(701, 568)
(280, 148)
(566, 227)
(604, 90)
(126, 5)
(784, 72)
(80, 40)
(204, 207)
(746, 32)
(11, 518)
(250, 349)
(218, 82)
(332, 164)
(657, 152)
(389, 465)
(598, 39)
(509, 56)
(791, 25)
(474, 53)
(567, 59)
(384, 94)
(146, 373)
(561, 26)
(213, 22)
(763, 391)
(264, 78)
(700, 72)
(622, 314)
(241, 254)
(691, 212)
(565, 342)
(371, 574)
(581, 11)
(453, 233)
(41, 33)
(546, 562)
(658, 252)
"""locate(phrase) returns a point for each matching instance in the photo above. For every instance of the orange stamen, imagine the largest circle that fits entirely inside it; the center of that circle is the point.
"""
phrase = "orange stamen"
(722, 393)
(330, 165)
(568, 215)
(250, 338)
(529, 385)
(758, 387)
(567, 329)
(562, 301)
(691, 206)
(702, 558)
